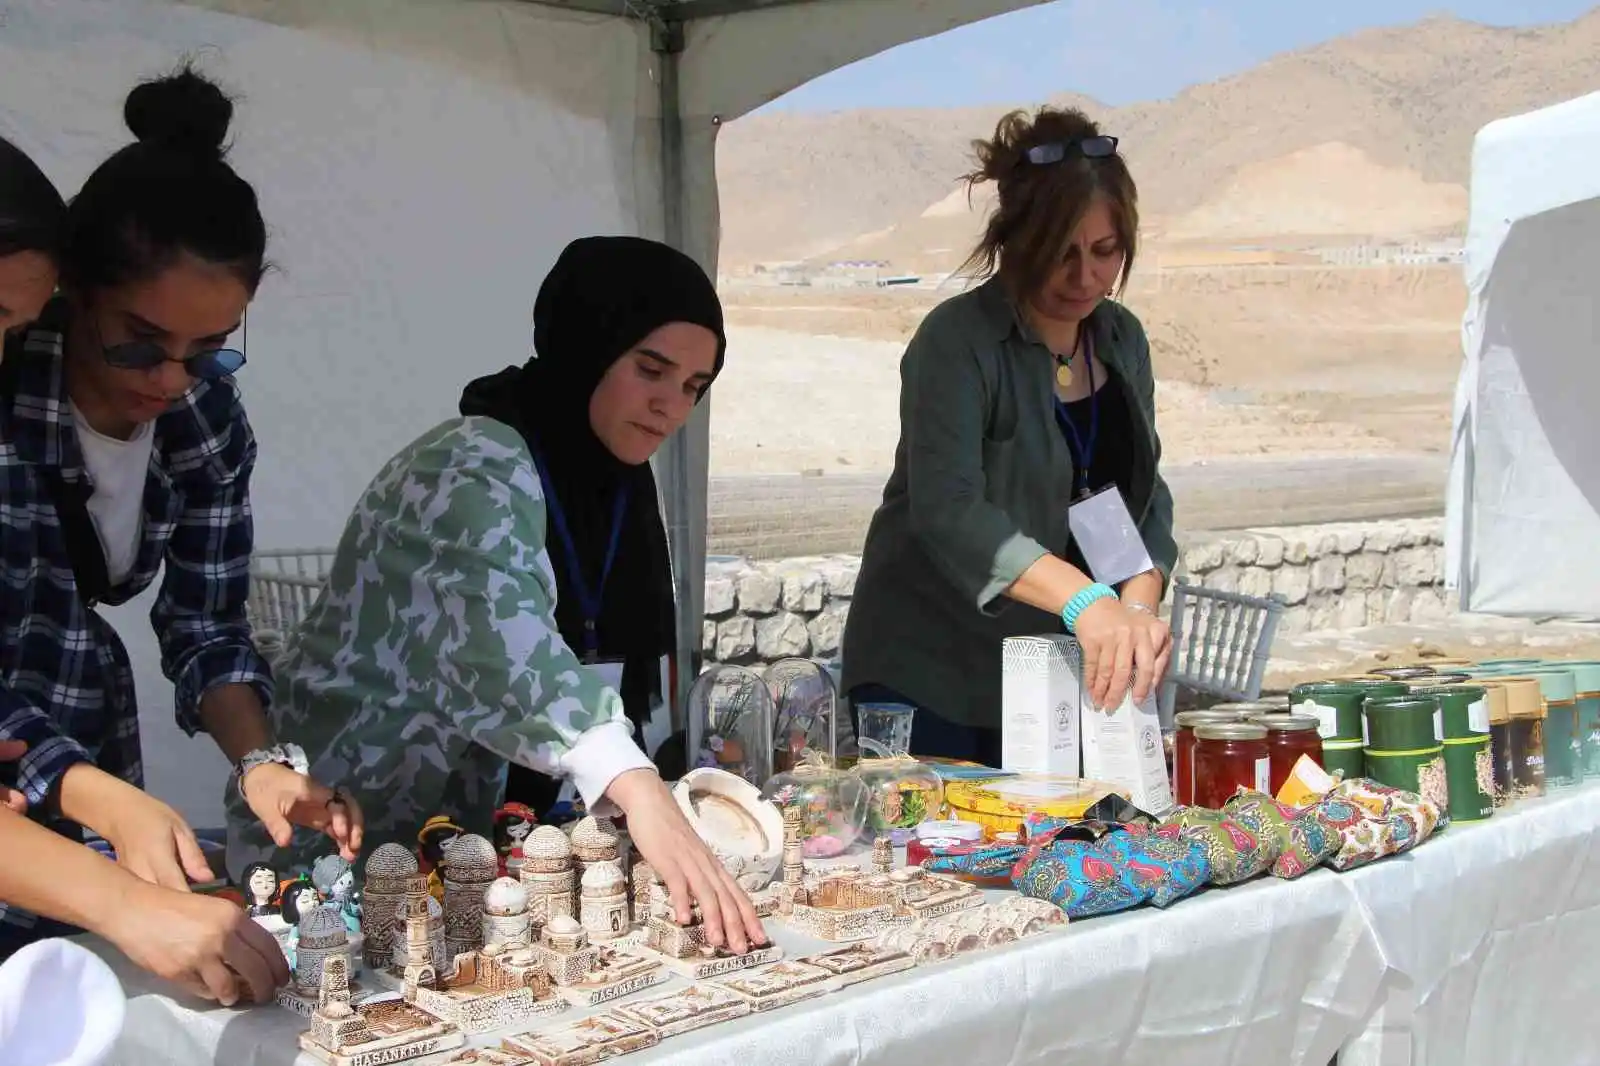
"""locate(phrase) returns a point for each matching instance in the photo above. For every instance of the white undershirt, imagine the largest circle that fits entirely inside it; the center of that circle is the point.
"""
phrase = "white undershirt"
(117, 470)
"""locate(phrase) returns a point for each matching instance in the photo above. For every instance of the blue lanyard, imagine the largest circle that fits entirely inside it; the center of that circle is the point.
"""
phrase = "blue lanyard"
(589, 603)
(1082, 451)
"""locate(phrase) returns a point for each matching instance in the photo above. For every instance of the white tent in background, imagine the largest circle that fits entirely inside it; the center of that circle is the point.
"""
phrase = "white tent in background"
(421, 163)
(1524, 500)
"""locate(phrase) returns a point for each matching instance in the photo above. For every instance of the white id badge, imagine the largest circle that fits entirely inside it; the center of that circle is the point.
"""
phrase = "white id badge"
(1104, 531)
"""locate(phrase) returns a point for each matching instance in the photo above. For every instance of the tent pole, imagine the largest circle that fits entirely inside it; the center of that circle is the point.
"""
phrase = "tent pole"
(666, 41)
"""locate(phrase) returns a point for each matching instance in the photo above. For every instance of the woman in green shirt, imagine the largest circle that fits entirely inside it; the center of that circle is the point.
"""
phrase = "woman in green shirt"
(1026, 395)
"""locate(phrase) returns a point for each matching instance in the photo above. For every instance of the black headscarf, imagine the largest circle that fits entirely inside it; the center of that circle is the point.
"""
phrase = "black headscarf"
(604, 296)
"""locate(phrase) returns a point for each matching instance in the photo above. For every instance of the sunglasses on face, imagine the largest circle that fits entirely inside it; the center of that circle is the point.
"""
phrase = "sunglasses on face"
(147, 355)
(1088, 147)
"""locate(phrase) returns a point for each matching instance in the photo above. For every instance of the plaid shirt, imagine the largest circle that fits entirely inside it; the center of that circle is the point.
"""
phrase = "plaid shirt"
(66, 685)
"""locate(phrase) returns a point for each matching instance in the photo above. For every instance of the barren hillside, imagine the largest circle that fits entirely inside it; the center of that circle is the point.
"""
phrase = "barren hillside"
(1406, 102)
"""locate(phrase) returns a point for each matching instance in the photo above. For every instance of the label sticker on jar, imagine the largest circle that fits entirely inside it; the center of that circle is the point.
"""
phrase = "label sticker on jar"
(1327, 718)
(1438, 724)
(1263, 775)
(1478, 716)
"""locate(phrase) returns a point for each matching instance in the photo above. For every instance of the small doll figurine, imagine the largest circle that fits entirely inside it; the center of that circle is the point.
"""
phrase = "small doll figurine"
(336, 881)
(260, 890)
(297, 898)
(512, 824)
(435, 833)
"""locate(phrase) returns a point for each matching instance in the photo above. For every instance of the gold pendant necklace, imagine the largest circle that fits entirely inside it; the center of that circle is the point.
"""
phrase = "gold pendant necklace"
(1064, 371)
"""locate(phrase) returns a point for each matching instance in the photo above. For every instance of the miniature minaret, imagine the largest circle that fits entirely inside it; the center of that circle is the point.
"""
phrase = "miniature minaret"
(882, 855)
(333, 998)
(793, 858)
(419, 969)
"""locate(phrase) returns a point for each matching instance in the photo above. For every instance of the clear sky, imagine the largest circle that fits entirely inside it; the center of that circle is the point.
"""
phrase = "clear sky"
(1122, 51)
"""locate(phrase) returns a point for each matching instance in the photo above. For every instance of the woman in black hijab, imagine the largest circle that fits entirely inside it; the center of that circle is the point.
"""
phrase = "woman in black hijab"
(506, 575)
(606, 540)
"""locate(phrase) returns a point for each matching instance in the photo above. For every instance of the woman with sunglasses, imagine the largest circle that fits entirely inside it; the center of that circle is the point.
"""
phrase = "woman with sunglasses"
(124, 449)
(1028, 457)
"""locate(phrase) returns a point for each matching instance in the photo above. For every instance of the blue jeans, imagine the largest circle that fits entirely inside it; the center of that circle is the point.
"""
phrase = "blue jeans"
(931, 734)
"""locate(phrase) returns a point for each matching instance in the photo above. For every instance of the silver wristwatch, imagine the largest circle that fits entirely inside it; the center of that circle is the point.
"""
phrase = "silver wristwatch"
(290, 755)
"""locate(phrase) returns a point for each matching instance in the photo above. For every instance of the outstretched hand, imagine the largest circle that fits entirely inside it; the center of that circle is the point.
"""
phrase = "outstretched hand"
(283, 798)
(683, 863)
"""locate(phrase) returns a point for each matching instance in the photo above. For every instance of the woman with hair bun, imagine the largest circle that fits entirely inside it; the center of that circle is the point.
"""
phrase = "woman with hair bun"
(1026, 496)
(124, 451)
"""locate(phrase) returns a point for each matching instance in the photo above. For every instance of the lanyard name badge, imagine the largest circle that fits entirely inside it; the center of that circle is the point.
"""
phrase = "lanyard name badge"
(589, 600)
(1098, 519)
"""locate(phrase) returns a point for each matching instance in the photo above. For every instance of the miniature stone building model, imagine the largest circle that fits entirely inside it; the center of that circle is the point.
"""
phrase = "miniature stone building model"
(594, 840)
(505, 914)
(547, 873)
(420, 969)
(322, 937)
(565, 950)
(441, 957)
(675, 941)
(850, 905)
(882, 855)
(470, 866)
(385, 1031)
(387, 871)
(603, 901)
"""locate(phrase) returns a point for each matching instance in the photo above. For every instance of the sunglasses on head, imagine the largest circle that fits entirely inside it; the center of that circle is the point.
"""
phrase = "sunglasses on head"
(1089, 147)
(147, 355)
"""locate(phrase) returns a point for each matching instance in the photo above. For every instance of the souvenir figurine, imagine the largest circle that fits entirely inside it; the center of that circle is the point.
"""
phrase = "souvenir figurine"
(336, 881)
(296, 899)
(260, 890)
(512, 824)
(435, 833)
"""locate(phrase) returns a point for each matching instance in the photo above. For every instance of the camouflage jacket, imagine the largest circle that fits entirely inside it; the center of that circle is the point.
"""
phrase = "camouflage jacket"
(431, 656)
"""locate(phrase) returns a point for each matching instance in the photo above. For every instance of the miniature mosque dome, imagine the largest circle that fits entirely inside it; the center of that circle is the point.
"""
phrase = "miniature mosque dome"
(470, 858)
(323, 929)
(523, 957)
(603, 876)
(901, 876)
(391, 860)
(594, 839)
(563, 925)
(563, 933)
(547, 850)
(494, 949)
(505, 898)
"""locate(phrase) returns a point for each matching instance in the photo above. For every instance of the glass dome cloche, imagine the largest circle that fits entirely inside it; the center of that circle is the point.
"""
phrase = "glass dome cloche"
(729, 722)
(805, 706)
(833, 802)
(901, 792)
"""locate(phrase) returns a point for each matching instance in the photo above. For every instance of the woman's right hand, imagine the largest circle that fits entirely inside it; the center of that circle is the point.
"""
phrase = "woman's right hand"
(204, 944)
(151, 840)
(1117, 649)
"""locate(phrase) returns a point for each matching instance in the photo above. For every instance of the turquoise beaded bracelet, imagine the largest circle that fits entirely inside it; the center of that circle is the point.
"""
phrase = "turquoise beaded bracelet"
(1080, 603)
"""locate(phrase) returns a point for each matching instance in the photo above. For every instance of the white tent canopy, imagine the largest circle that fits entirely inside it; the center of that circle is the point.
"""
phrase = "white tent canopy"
(1524, 499)
(421, 163)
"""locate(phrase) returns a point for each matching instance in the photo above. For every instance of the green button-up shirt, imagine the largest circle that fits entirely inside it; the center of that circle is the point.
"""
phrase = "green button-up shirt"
(981, 484)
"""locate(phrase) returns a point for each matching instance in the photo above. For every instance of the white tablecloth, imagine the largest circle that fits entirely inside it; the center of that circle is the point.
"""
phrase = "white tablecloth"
(1477, 948)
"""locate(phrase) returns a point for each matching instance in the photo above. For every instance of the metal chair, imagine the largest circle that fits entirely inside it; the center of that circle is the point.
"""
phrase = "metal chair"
(1220, 644)
(283, 585)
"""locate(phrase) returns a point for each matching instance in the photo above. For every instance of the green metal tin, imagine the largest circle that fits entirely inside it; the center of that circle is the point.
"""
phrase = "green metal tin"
(1586, 675)
(1401, 723)
(1335, 705)
(1344, 757)
(1419, 770)
(1468, 757)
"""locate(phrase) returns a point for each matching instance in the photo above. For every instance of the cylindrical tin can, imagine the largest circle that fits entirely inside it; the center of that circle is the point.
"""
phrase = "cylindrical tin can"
(1468, 761)
(1525, 708)
(1563, 743)
(1403, 749)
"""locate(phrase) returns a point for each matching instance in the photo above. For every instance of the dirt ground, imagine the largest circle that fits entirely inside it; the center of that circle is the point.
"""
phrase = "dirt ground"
(1273, 362)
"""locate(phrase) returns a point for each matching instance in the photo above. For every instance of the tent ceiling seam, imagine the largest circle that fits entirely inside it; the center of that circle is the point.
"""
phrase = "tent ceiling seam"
(665, 11)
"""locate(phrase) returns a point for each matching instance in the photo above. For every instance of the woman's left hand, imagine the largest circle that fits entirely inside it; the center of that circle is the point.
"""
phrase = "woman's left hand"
(282, 798)
(1152, 645)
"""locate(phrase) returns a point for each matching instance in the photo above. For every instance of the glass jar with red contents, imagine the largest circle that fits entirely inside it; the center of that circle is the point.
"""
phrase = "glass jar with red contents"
(1290, 736)
(1229, 756)
(1183, 749)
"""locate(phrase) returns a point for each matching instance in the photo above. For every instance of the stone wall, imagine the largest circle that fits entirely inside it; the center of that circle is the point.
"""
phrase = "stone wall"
(1333, 576)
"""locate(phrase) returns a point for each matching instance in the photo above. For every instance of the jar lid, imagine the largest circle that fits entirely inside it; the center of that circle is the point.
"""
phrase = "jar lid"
(1193, 718)
(1231, 731)
(1289, 723)
(953, 829)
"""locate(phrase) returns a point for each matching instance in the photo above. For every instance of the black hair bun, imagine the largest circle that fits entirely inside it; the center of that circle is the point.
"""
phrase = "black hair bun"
(183, 111)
